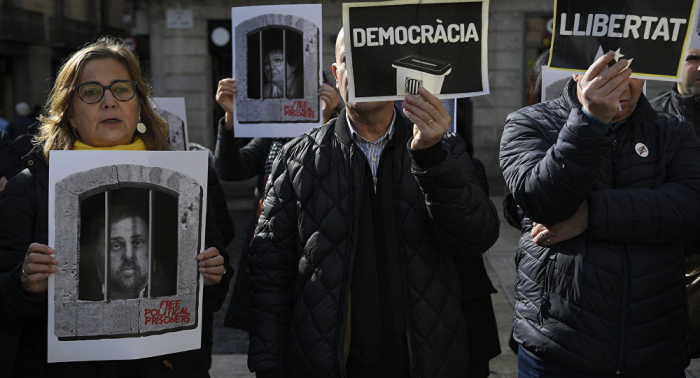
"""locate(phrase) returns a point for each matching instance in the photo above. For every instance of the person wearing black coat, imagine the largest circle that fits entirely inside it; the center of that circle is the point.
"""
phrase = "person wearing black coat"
(684, 97)
(23, 317)
(352, 263)
(95, 104)
(10, 155)
(608, 196)
(236, 163)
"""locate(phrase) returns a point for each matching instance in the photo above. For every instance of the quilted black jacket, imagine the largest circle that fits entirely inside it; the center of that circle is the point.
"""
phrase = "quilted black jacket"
(23, 315)
(688, 106)
(305, 244)
(612, 299)
(672, 102)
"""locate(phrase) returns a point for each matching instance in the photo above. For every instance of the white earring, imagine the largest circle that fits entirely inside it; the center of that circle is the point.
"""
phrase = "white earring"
(141, 127)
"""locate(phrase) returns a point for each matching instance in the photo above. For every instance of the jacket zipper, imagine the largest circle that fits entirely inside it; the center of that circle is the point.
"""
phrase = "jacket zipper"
(382, 267)
(625, 273)
(350, 245)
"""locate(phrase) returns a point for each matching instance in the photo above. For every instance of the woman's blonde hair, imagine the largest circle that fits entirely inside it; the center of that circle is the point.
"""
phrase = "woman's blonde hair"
(56, 132)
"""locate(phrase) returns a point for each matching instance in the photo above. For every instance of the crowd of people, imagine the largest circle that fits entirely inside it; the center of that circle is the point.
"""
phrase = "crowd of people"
(362, 255)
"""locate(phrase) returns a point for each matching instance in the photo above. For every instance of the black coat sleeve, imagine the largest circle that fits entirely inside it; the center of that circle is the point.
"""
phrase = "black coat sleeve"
(17, 225)
(551, 175)
(272, 270)
(214, 295)
(234, 163)
(464, 219)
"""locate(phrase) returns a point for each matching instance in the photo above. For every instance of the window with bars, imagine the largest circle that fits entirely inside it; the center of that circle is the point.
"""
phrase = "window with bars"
(127, 248)
(275, 64)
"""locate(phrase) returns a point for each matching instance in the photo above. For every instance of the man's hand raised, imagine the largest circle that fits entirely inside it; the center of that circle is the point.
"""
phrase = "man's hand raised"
(429, 117)
(599, 89)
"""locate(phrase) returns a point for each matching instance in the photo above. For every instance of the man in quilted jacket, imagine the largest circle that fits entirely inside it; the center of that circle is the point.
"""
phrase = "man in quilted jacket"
(609, 188)
(352, 264)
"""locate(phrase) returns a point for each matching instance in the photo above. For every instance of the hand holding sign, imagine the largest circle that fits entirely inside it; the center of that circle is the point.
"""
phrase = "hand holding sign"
(599, 90)
(224, 96)
(429, 117)
(38, 264)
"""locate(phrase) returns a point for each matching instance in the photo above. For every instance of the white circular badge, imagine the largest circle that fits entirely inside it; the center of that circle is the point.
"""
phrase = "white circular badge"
(641, 149)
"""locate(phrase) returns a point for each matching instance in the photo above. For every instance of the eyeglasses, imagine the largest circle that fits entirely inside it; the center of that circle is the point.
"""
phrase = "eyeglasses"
(276, 62)
(92, 92)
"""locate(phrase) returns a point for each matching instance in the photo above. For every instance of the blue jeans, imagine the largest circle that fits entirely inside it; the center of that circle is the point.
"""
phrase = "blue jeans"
(530, 366)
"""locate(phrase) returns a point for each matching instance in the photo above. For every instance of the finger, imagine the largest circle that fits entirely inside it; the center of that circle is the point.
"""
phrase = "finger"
(217, 260)
(208, 253)
(434, 101)
(34, 268)
(38, 258)
(40, 248)
(219, 269)
(612, 71)
(421, 116)
(598, 66)
(616, 93)
(212, 279)
(417, 120)
(619, 81)
(536, 229)
(420, 108)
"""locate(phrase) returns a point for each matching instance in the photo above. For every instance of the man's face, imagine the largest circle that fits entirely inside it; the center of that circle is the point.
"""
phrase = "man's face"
(128, 257)
(629, 99)
(341, 78)
(690, 81)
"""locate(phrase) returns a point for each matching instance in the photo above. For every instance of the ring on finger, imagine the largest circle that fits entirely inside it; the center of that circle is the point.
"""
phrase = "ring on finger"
(24, 273)
(431, 120)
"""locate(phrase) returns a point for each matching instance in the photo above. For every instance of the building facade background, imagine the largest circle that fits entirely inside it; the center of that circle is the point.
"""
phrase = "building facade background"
(181, 60)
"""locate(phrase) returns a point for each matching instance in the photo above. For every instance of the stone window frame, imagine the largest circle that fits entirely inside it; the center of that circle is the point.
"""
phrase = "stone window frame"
(271, 110)
(76, 319)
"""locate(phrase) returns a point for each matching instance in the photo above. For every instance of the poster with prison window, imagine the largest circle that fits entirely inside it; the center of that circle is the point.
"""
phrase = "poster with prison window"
(392, 48)
(127, 227)
(277, 66)
(695, 32)
(651, 35)
(173, 111)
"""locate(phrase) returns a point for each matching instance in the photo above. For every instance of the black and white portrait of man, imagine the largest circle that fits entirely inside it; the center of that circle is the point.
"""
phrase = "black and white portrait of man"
(123, 256)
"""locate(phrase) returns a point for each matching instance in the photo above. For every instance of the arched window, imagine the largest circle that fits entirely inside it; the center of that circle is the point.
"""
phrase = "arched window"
(129, 235)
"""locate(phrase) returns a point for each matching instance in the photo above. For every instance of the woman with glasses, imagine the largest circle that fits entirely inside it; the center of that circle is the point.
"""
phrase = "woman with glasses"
(99, 101)
(284, 75)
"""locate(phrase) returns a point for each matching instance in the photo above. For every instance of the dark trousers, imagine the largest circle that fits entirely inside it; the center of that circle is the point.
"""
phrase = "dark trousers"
(531, 366)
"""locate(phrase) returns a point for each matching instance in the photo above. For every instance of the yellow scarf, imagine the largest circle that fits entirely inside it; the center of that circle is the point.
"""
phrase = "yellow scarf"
(136, 145)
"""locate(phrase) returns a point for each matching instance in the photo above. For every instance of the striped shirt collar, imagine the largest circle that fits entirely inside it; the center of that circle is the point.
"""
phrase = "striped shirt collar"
(383, 140)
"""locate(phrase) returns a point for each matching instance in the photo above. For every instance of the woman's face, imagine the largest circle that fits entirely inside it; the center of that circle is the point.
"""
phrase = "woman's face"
(274, 68)
(109, 122)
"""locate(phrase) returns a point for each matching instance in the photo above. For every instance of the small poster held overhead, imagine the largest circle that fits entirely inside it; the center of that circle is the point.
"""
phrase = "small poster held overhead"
(651, 35)
(394, 47)
(277, 66)
(173, 111)
(127, 227)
